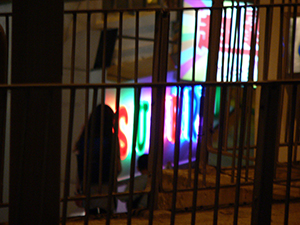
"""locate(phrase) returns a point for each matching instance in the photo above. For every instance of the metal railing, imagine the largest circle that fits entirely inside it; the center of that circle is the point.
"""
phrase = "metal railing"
(232, 138)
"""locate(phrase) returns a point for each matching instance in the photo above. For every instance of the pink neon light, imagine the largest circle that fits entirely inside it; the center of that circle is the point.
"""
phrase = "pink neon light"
(170, 118)
(122, 137)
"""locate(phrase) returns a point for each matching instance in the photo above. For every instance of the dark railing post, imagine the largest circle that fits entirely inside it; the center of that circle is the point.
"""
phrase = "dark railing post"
(265, 154)
(3, 101)
(160, 62)
(35, 138)
(211, 75)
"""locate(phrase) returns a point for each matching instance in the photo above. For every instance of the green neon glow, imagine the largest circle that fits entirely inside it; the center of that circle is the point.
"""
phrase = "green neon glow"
(142, 129)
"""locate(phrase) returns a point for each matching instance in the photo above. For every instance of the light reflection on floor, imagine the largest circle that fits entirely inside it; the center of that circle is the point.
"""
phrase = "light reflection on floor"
(121, 206)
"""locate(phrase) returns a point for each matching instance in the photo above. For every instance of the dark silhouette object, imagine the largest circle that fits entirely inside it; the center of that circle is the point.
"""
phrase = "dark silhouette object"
(93, 143)
(111, 37)
(140, 201)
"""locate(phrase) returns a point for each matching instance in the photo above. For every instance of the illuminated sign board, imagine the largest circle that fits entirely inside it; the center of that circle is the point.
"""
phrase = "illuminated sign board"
(235, 63)
(190, 116)
(189, 123)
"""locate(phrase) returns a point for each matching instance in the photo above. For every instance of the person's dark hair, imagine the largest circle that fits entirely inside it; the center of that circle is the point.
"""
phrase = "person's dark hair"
(143, 162)
(93, 141)
(95, 119)
(108, 120)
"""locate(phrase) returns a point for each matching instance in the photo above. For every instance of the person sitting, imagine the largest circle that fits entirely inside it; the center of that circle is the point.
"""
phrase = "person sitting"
(140, 183)
(93, 143)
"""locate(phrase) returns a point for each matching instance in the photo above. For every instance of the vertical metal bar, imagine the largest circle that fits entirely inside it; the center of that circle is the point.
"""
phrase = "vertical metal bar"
(88, 46)
(133, 155)
(265, 154)
(214, 39)
(137, 93)
(28, 66)
(222, 80)
(3, 104)
(297, 108)
(120, 46)
(73, 47)
(290, 54)
(49, 111)
(192, 100)
(136, 62)
(191, 135)
(204, 140)
(230, 78)
(102, 119)
(267, 44)
(234, 46)
(281, 41)
(199, 140)
(286, 49)
(70, 128)
(102, 101)
(90, 155)
(249, 130)
(290, 154)
(180, 17)
(253, 42)
(87, 80)
(219, 155)
(104, 45)
(155, 163)
(22, 126)
(238, 22)
(118, 90)
(243, 39)
(160, 60)
(154, 145)
(236, 127)
(293, 43)
(86, 116)
(176, 151)
(240, 156)
(2, 139)
(195, 45)
(7, 28)
(223, 45)
(229, 46)
(211, 73)
(111, 183)
(297, 132)
(68, 157)
(87, 169)
(226, 131)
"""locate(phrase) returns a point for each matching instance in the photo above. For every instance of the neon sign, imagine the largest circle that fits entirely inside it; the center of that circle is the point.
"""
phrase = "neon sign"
(191, 95)
(190, 117)
(232, 63)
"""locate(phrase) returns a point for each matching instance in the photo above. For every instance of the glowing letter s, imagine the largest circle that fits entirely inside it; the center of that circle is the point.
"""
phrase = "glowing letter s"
(123, 140)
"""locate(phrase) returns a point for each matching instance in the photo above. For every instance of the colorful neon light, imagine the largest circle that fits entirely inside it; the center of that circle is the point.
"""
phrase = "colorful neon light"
(202, 41)
(170, 116)
(190, 116)
(126, 113)
(186, 124)
(142, 129)
(123, 117)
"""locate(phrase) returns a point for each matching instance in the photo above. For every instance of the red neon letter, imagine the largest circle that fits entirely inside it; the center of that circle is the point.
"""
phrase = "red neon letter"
(123, 140)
